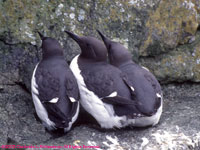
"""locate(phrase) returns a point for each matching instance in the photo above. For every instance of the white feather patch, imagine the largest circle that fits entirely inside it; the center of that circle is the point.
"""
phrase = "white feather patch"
(158, 95)
(145, 68)
(72, 99)
(146, 121)
(54, 100)
(74, 118)
(34, 85)
(113, 94)
(40, 109)
(132, 88)
(103, 113)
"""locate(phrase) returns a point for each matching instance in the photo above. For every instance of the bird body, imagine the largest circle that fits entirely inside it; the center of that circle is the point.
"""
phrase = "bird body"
(54, 88)
(146, 87)
(104, 89)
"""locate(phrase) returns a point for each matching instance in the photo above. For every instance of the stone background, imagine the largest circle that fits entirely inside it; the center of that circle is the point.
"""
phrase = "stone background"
(162, 35)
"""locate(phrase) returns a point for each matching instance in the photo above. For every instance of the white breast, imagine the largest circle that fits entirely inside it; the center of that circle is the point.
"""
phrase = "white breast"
(102, 112)
(73, 119)
(40, 110)
(147, 121)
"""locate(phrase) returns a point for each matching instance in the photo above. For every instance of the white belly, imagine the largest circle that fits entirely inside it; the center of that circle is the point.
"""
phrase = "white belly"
(40, 109)
(102, 112)
(146, 121)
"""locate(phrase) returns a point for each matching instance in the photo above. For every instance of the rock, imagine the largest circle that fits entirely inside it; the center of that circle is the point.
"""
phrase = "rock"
(18, 124)
(17, 63)
(151, 30)
(178, 128)
(170, 24)
(4, 126)
(182, 64)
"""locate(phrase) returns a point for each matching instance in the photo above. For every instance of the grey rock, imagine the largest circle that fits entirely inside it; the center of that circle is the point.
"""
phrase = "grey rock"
(179, 124)
(4, 126)
(18, 122)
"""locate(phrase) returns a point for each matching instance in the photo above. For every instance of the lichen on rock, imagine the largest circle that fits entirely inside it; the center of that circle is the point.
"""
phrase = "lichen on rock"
(152, 29)
(172, 23)
(179, 65)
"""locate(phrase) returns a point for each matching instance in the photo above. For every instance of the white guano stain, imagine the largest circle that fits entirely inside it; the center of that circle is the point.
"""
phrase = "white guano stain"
(114, 143)
(58, 10)
(198, 61)
(169, 140)
(28, 34)
(72, 15)
(81, 15)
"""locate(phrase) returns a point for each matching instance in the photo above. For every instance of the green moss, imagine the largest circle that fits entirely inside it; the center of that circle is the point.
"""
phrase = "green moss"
(173, 22)
(150, 30)
(182, 64)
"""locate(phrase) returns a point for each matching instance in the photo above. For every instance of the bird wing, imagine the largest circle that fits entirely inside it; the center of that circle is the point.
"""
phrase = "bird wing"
(152, 80)
(55, 93)
(48, 85)
(102, 83)
(98, 80)
(118, 100)
(72, 87)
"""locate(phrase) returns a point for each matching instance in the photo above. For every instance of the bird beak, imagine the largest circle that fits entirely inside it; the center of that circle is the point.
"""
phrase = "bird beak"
(41, 36)
(73, 36)
(105, 39)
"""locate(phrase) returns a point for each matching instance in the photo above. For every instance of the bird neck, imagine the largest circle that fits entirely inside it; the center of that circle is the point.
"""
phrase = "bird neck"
(125, 64)
(45, 57)
(91, 59)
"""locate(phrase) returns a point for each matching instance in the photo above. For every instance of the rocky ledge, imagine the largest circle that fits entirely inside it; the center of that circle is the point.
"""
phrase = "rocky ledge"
(179, 127)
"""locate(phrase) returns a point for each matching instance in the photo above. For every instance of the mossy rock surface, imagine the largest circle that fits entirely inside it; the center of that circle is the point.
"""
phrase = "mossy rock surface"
(151, 30)
(179, 65)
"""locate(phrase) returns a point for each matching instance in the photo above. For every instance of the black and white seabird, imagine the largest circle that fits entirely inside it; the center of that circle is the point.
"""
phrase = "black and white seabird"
(54, 88)
(147, 89)
(105, 91)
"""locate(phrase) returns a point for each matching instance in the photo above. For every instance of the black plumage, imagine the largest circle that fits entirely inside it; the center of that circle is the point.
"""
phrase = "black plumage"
(104, 79)
(55, 86)
(146, 87)
(105, 90)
